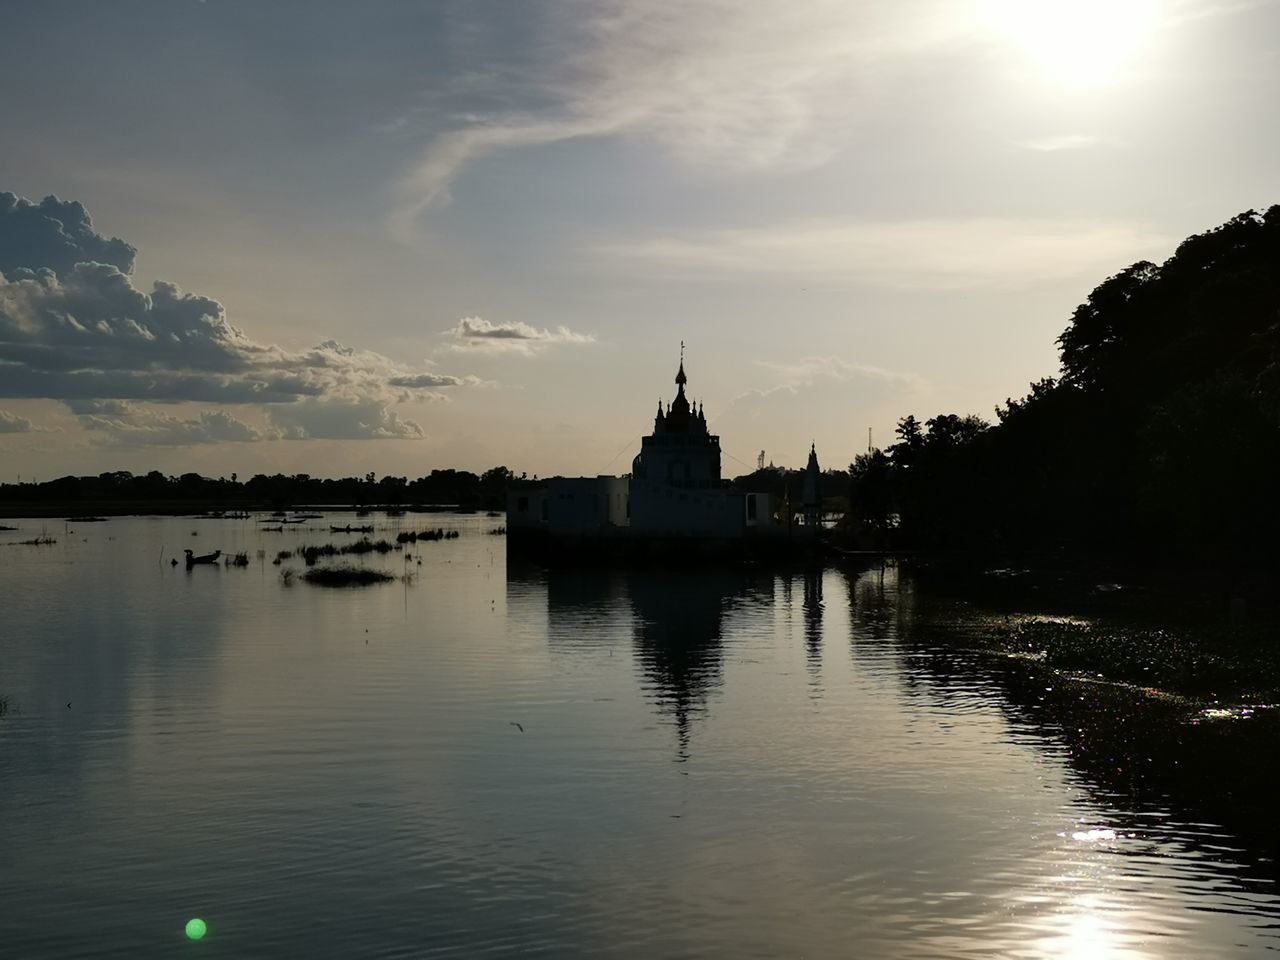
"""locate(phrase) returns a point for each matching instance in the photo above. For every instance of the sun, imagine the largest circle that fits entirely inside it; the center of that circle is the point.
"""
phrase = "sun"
(1080, 43)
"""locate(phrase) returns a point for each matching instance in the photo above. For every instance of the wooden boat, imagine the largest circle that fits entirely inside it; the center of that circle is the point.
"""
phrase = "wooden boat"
(192, 559)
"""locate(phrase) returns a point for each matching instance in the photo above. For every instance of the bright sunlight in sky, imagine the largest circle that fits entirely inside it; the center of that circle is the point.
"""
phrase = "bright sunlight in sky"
(1081, 43)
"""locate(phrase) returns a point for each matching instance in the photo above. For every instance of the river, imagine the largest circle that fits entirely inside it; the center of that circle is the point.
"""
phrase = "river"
(483, 760)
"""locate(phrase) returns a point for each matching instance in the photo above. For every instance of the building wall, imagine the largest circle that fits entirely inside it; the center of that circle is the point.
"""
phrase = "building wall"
(759, 509)
(571, 506)
(527, 509)
(663, 511)
(686, 460)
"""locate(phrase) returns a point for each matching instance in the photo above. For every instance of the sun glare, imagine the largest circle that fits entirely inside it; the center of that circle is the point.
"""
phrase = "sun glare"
(1082, 43)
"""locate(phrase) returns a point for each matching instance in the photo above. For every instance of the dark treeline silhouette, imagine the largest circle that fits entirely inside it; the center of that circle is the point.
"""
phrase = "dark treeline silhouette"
(154, 490)
(1161, 437)
(786, 484)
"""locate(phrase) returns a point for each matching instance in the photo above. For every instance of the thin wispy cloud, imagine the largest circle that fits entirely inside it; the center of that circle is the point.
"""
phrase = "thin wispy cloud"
(476, 333)
(1066, 141)
(807, 370)
(739, 87)
(933, 253)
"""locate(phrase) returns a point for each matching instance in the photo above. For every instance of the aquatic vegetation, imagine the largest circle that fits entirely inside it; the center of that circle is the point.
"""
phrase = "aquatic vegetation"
(38, 542)
(498, 532)
(413, 536)
(239, 560)
(346, 576)
(311, 554)
(365, 545)
(283, 555)
(287, 576)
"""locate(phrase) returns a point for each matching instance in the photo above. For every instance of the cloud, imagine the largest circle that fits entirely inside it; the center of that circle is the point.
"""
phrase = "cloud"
(944, 254)
(109, 408)
(76, 329)
(1065, 141)
(12, 423)
(797, 375)
(423, 381)
(718, 83)
(476, 333)
(342, 419)
(805, 371)
(56, 235)
(135, 428)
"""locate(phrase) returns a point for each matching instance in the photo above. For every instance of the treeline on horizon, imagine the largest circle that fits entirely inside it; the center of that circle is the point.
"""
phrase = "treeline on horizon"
(1160, 438)
(446, 487)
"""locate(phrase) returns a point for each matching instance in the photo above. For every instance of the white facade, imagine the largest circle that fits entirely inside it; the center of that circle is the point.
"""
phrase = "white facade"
(674, 491)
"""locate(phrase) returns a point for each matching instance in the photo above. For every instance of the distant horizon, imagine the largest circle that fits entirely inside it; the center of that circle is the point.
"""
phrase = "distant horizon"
(465, 235)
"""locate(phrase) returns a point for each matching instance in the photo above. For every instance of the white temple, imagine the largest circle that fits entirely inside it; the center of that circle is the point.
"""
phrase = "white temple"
(674, 491)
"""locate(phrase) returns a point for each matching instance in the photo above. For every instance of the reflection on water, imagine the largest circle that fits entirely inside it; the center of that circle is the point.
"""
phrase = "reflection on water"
(582, 763)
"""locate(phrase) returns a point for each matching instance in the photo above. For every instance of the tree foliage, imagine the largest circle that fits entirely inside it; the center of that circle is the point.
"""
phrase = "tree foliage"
(1161, 436)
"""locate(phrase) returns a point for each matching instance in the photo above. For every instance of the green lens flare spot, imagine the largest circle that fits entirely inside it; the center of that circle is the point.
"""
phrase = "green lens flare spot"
(196, 929)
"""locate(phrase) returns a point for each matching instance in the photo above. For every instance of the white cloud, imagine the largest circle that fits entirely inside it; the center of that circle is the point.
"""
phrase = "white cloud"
(12, 423)
(476, 333)
(934, 253)
(342, 419)
(1055, 143)
(738, 87)
(133, 427)
(76, 329)
(806, 370)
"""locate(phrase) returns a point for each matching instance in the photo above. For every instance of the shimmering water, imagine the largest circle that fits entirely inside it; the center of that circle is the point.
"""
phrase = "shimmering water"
(712, 763)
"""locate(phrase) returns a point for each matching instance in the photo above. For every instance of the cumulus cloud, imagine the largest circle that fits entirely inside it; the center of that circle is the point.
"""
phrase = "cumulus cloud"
(476, 333)
(342, 419)
(12, 423)
(54, 234)
(75, 328)
(145, 428)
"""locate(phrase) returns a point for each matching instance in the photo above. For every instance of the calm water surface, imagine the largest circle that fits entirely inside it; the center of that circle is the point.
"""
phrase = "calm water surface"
(736, 764)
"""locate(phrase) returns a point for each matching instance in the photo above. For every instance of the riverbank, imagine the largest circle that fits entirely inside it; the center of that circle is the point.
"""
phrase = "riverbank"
(1206, 634)
(60, 509)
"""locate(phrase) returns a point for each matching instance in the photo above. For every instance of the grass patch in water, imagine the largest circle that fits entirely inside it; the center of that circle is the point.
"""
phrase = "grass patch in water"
(345, 576)
(310, 555)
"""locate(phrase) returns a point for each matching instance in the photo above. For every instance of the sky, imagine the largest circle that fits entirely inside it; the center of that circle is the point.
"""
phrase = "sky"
(334, 238)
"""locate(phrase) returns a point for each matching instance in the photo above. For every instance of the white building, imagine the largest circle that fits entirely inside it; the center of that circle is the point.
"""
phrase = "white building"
(674, 491)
